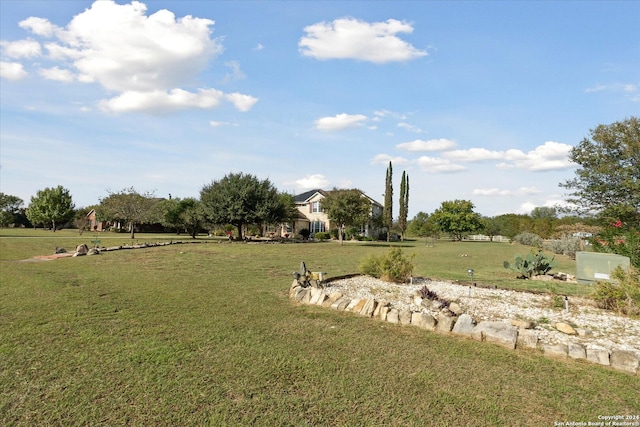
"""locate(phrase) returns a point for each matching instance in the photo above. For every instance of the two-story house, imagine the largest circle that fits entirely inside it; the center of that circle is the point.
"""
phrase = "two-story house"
(312, 217)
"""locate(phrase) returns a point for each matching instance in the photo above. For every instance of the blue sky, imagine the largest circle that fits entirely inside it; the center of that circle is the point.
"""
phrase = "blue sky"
(474, 100)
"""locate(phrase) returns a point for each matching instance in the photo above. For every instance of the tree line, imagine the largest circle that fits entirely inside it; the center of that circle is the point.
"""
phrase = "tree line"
(604, 195)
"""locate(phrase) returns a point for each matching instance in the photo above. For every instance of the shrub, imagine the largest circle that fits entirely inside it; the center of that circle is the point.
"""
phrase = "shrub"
(534, 264)
(305, 233)
(334, 233)
(565, 246)
(622, 296)
(529, 239)
(394, 266)
(321, 235)
(352, 233)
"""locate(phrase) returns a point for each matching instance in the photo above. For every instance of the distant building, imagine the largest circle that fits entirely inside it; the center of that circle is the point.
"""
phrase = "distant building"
(312, 217)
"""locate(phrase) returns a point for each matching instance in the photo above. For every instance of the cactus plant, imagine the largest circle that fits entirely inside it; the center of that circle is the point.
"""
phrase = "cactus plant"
(534, 264)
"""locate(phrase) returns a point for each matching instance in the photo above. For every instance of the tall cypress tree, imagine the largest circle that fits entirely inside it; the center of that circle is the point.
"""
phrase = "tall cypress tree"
(404, 203)
(387, 214)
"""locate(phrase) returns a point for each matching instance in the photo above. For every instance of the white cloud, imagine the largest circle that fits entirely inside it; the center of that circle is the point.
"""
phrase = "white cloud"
(162, 102)
(235, 73)
(596, 88)
(525, 208)
(550, 202)
(630, 90)
(57, 74)
(502, 192)
(340, 121)
(438, 165)
(548, 156)
(410, 128)
(309, 182)
(385, 159)
(241, 102)
(215, 124)
(12, 71)
(259, 47)
(39, 26)
(441, 144)
(349, 38)
(27, 48)
(474, 155)
(145, 60)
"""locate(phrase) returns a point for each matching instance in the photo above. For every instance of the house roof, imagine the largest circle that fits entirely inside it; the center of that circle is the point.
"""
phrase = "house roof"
(304, 197)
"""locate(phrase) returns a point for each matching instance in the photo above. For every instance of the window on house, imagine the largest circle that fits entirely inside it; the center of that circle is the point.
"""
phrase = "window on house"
(317, 226)
(315, 207)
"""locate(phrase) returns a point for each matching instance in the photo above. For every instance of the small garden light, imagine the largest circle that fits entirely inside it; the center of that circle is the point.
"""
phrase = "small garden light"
(470, 271)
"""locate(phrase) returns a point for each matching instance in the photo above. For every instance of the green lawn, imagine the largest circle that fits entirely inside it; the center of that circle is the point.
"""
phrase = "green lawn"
(206, 335)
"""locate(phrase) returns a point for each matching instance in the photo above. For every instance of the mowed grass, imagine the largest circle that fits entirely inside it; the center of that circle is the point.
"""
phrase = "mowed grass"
(205, 334)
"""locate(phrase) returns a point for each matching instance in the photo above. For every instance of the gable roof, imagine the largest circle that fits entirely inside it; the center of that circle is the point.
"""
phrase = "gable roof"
(303, 197)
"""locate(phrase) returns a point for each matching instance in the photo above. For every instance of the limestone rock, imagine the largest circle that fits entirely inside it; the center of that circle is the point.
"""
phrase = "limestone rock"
(307, 297)
(464, 325)
(558, 349)
(341, 304)
(93, 251)
(455, 308)
(359, 306)
(577, 351)
(376, 312)
(333, 297)
(565, 328)
(392, 316)
(522, 324)
(598, 355)
(423, 320)
(497, 332)
(445, 323)
(82, 249)
(301, 293)
(404, 316)
(384, 312)
(317, 296)
(369, 307)
(584, 332)
(625, 360)
(527, 338)
(352, 304)
(294, 289)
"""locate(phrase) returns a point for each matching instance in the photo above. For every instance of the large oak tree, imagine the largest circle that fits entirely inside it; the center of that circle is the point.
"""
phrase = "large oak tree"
(242, 199)
(607, 180)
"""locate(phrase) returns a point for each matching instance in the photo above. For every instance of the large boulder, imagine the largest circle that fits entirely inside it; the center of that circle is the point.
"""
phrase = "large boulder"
(82, 250)
(445, 323)
(423, 320)
(464, 325)
(625, 360)
(497, 332)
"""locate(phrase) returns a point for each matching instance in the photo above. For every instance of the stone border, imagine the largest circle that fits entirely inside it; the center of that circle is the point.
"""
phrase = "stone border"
(83, 249)
(509, 335)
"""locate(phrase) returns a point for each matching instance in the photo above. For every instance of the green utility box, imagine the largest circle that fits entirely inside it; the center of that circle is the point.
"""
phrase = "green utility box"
(593, 266)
